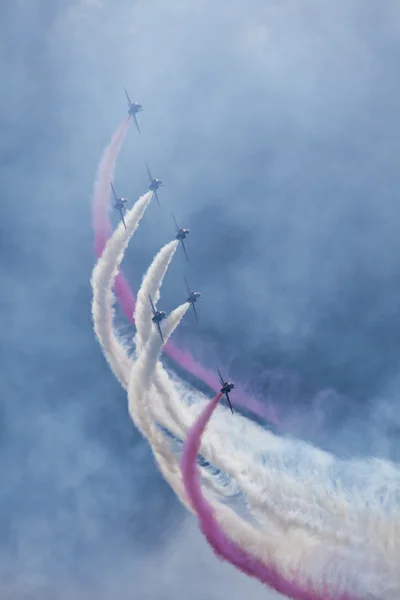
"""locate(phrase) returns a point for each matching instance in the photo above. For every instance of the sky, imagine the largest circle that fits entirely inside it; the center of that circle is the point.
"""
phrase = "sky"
(274, 126)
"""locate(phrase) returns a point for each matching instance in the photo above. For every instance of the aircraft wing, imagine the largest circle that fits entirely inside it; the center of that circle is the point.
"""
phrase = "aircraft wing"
(127, 97)
(122, 216)
(148, 172)
(136, 123)
(220, 377)
(229, 401)
(156, 195)
(176, 224)
(152, 305)
(113, 191)
(195, 312)
(159, 331)
(184, 249)
(187, 286)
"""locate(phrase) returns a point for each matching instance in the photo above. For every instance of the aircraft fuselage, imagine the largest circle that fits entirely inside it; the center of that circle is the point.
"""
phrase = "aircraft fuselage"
(120, 203)
(227, 387)
(155, 184)
(159, 316)
(134, 108)
(182, 233)
(194, 296)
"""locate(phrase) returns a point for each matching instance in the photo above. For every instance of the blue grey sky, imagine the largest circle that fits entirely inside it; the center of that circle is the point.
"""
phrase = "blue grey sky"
(274, 125)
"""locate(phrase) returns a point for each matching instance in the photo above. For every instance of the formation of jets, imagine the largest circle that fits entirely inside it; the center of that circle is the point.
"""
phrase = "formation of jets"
(181, 234)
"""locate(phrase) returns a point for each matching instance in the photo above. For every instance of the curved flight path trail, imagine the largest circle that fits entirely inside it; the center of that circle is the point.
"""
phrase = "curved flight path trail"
(102, 230)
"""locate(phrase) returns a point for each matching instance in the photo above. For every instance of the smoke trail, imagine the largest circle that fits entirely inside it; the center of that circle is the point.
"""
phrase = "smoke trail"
(140, 379)
(151, 285)
(140, 383)
(291, 548)
(223, 546)
(285, 492)
(102, 282)
(105, 174)
(263, 545)
(102, 230)
(103, 276)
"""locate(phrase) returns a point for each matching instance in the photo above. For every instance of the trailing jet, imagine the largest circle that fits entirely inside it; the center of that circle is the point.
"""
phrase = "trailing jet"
(158, 316)
(181, 234)
(192, 298)
(119, 204)
(227, 386)
(154, 184)
(134, 108)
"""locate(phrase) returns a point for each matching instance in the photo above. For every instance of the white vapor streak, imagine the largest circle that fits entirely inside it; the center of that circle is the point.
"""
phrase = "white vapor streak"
(298, 512)
(138, 391)
(293, 547)
(151, 285)
(103, 277)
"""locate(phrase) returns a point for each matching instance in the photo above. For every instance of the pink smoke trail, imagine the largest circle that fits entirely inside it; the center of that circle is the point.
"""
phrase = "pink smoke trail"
(222, 545)
(102, 231)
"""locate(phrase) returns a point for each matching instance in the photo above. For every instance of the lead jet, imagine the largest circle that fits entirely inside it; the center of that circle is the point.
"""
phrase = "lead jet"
(227, 386)
(158, 316)
(119, 204)
(154, 184)
(181, 234)
(192, 298)
(134, 108)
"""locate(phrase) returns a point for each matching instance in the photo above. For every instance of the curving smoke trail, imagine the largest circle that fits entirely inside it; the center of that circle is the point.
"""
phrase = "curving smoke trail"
(293, 514)
(102, 281)
(102, 230)
(298, 520)
(222, 545)
(177, 417)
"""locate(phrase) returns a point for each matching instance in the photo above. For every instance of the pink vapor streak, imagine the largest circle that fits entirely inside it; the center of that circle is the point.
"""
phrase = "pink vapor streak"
(102, 230)
(222, 545)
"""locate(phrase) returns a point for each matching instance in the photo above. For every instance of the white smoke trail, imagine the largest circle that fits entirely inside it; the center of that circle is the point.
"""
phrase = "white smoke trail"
(138, 389)
(140, 382)
(262, 545)
(151, 285)
(277, 480)
(103, 277)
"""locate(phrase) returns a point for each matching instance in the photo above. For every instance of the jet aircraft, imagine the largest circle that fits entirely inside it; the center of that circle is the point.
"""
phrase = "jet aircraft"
(192, 299)
(119, 204)
(227, 386)
(181, 235)
(134, 108)
(154, 184)
(158, 316)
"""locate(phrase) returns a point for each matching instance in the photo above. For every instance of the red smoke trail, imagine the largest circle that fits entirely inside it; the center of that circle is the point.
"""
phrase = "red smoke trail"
(102, 231)
(222, 545)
